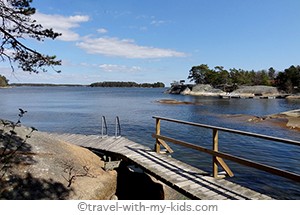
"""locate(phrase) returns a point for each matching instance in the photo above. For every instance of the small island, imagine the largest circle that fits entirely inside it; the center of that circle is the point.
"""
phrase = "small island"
(238, 83)
(127, 84)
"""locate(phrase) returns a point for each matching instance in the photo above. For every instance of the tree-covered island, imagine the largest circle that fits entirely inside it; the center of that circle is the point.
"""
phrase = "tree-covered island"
(239, 83)
(127, 84)
(287, 80)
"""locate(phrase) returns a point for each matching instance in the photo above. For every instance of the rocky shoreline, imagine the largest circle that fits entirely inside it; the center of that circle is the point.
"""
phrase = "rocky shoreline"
(262, 92)
(41, 167)
(288, 119)
(176, 102)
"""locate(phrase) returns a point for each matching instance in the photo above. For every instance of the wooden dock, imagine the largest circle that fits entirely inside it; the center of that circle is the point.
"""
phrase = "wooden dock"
(190, 181)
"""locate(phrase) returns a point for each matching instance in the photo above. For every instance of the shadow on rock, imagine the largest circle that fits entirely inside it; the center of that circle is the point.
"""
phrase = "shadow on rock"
(14, 150)
(16, 154)
(31, 188)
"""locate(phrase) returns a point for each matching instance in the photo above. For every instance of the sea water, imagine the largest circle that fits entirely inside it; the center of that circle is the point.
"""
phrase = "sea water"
(79, 110)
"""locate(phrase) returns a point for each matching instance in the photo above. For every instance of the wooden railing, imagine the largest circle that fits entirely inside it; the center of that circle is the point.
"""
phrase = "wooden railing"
(216, 154)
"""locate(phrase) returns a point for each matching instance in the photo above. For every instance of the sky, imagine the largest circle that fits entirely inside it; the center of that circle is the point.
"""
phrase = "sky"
(160, 40)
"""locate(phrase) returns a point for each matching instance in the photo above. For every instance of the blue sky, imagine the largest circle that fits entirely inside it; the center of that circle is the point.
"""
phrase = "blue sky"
(160, 40)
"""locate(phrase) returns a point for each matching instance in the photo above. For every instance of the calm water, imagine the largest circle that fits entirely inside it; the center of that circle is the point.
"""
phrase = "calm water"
(79, 110)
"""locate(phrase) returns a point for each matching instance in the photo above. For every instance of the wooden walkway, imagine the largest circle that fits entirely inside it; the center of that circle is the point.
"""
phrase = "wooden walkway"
(190, 181)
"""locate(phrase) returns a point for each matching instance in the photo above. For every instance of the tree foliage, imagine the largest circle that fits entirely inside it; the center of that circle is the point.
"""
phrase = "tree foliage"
(16, 26)
(199, 74)
(288, 81)
(202, 74)
(126, 84)
(3, 81)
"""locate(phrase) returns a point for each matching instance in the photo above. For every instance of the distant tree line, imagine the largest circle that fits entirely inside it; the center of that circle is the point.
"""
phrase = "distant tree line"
(3, 81)
(287, 80)
(45, 85)
(127, 84)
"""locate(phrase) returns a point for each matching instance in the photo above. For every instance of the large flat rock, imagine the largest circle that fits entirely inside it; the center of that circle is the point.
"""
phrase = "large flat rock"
(47, 168)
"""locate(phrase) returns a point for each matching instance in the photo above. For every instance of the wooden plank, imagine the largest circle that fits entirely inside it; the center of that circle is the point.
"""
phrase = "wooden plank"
(196, 190)
(62, 136)
(222, 163)
(208, 186)
(201, 193)
(220, 197)
(237, 193)
(129, 153)
(172, 177)
(92, 143)
(144, 153)
(165, 145)
(177, 180)
(184, 183)
(157, 131)
(108, 146)
(129, 144)
(264, 197)
(73, 137)
(168, 169)
(233, 192)
(215, 148)
(144, 160)
(167, 161)
(133, 156)
(210, 195)
(204, 192)
(106, 141)
(248, 193)
(87, 142)
(114, 146)
(125, 144)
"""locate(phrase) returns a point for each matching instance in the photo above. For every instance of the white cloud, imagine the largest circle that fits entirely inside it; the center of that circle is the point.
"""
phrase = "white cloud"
(19, 76)
(159, 22)
(119, 68)
(61, 24)
(102, 30)
(111, 46)
(66, 77)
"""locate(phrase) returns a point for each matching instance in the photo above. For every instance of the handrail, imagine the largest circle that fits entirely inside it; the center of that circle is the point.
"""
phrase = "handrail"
(118, 128)
(277, 139)
(104, 132)
(218, 156)
(103, 126)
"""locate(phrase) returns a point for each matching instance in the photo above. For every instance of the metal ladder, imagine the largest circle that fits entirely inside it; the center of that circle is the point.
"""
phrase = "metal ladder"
(104, 132)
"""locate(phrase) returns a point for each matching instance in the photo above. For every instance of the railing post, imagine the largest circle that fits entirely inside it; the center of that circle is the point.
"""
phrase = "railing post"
(157, 145)
(215, 148)
(103, 126)
(118, 128)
